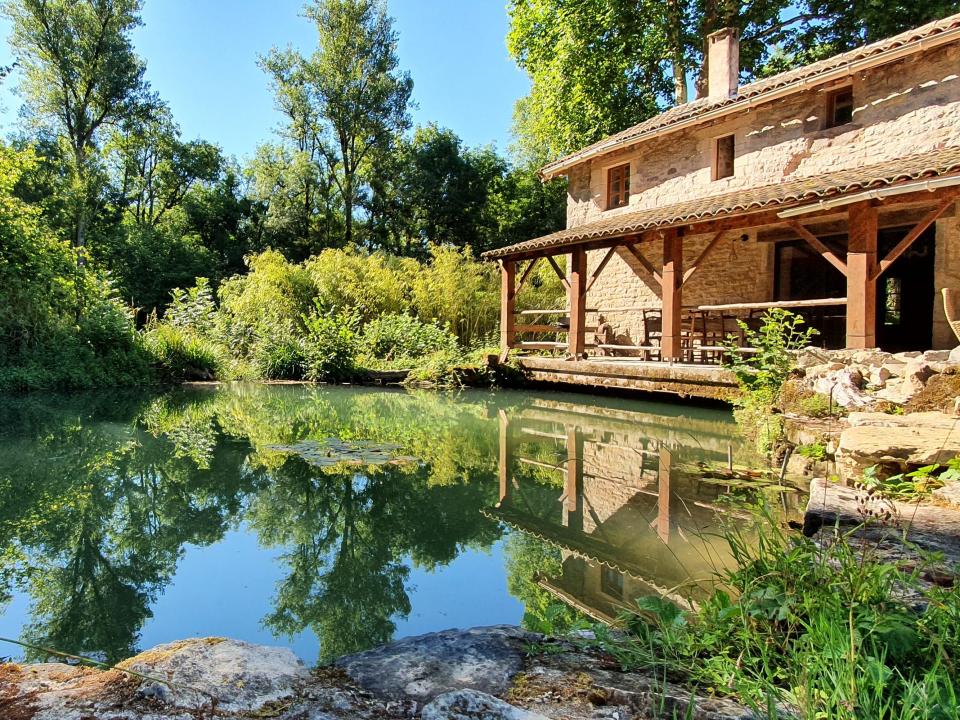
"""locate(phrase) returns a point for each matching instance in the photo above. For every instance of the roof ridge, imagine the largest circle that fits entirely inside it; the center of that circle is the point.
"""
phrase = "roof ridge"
(690, 111)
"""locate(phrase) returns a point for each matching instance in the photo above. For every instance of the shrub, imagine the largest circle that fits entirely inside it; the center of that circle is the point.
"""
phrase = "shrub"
(404, 337)
(278, 353)
(329, 347)
(370, 283)
(181, 353)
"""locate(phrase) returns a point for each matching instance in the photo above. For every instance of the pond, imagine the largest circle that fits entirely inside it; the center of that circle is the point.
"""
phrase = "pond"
(331, 519)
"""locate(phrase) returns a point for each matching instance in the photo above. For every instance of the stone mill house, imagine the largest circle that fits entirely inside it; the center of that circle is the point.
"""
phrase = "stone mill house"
(830, 190)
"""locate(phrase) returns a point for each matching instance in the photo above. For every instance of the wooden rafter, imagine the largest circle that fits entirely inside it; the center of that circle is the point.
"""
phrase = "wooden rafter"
(911, 237)
(702, 256)
(647, 265)
(600, 267)
(526, 272)
(815, 243)
(558, 271)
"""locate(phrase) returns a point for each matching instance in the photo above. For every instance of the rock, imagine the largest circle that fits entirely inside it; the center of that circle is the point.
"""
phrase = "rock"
(870, 358)
(241, 676)
(908, 355)
(894, 367)
(917, 372)
(954, 357)
(471, 704)
(811, 356)
(426, 666)
(927, 526)
(949, 494)
(878, 376)
(845, 388)
(896, 442)
(936, 356)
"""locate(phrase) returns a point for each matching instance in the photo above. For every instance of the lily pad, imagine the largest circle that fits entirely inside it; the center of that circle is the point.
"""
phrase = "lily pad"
(334, 451)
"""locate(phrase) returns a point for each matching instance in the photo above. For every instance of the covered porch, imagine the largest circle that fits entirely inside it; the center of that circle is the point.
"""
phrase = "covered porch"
(852, 251)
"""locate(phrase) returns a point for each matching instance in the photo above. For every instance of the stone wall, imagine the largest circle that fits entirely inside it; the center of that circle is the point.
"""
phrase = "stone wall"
(902, 108)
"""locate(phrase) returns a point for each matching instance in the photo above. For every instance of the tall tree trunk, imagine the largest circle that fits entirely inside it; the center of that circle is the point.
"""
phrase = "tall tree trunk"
(675, 30)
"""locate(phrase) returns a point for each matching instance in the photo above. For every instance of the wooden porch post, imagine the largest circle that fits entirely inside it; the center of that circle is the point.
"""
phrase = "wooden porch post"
(861, 276)
(577, 293)
(506, 457)
(508, 281)
(671, 294)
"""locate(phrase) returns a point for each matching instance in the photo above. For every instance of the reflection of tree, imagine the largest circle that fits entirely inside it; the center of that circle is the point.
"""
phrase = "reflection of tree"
(347, 534)
(94, 516)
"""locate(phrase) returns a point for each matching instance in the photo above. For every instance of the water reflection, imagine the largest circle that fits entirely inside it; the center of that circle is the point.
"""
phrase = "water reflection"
(621, 498)
(101, 496)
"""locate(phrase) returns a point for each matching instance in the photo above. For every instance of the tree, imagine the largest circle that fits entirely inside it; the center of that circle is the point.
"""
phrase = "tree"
(80, 74)
(600, 66)
(361, 95)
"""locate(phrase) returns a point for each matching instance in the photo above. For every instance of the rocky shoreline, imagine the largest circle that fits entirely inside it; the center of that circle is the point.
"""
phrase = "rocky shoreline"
(496, 673)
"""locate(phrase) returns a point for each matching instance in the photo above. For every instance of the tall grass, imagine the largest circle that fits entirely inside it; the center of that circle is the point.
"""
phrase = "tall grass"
(829, 630)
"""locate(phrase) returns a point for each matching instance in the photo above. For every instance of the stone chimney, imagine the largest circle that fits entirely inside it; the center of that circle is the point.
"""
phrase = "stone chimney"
(723, 63)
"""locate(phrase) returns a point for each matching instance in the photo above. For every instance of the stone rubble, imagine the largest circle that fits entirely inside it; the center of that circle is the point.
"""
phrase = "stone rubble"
(496, 673)
(858, 379)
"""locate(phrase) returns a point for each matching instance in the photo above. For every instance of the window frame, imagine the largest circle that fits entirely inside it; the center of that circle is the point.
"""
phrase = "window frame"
(623, 194)
(715, 159)
(830, 113)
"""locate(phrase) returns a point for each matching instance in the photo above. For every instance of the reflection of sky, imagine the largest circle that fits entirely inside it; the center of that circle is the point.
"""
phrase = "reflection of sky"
(227, 588)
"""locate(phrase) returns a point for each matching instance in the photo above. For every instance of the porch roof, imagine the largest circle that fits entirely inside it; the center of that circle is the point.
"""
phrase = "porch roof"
(703, 109)
(937, 163)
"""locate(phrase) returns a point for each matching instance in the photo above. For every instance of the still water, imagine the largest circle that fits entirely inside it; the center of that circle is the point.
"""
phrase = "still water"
(332, 519)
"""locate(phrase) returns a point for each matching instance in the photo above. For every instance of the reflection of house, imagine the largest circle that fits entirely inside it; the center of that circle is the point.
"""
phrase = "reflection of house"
(605, 489)
(831, 189)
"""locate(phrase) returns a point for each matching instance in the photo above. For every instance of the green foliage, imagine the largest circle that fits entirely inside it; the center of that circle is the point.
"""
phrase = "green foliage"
(370, 283)
(813, 451)
(912, 486)
(761, 374)
(402, 338)
(182, 354)
(330, 346)
(831, 630)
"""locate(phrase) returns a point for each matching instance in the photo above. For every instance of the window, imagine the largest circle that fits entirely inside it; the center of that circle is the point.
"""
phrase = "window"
(723, 150)
(618, 186)
(839, 107)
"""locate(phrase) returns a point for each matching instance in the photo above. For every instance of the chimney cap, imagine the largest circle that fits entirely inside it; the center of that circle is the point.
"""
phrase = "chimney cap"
(723, 33)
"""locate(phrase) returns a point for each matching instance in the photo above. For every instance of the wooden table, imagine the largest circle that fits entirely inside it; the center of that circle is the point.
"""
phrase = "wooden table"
(733, 309)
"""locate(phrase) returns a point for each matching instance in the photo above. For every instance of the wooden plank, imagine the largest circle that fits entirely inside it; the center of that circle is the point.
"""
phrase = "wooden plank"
(526, 273)
(671, 294)
(817, 302)
(815, 243)
(506, 452)
(603, 263)
(647, 265)
(861, 276)
(559, 272)
(911, 237)
(541, 328)
(573, 485)
(545, 345)
(577, 293)
(508, 277)
(702, 256)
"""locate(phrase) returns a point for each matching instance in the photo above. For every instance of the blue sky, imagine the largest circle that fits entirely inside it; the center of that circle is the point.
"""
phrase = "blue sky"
(201, 58)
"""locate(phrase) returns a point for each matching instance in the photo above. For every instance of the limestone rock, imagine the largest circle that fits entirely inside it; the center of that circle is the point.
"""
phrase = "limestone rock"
(954, 357)
(845, 386)
(949, 494)
(896, 442)
(471, 704)
(426, 666)
(812, 356)
(241, 676)
(936, 355)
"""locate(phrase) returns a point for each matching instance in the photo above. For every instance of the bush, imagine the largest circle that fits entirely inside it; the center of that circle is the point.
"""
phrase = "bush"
(330, 346)
(404, 337)
(371, 283)
(182, 354)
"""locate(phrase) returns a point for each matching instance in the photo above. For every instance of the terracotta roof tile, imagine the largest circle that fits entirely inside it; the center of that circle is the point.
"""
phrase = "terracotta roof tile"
(749, 93)
(792, 192)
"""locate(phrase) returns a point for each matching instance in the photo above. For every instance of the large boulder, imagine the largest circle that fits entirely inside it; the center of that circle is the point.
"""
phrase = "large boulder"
(471, 705)
(425, 666)
(896, 442)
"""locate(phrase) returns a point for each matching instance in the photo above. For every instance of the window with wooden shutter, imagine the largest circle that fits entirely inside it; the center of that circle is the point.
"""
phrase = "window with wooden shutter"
(723, 154)
(618, 186)
(839, 107)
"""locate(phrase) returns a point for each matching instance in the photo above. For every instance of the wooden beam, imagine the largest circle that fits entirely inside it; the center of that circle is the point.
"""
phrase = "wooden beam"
(663, 494)
(647, 265)
(540, 329)
(600, 267)
(702, 256)
(861, 276)
(506, 456)
(559, 272)
(815, 243)
(911, 237)
(671, 292)
(577, 293)
(508, 277)
(526, 273)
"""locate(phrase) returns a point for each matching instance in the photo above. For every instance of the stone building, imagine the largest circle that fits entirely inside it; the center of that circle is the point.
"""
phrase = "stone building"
(830, 190)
